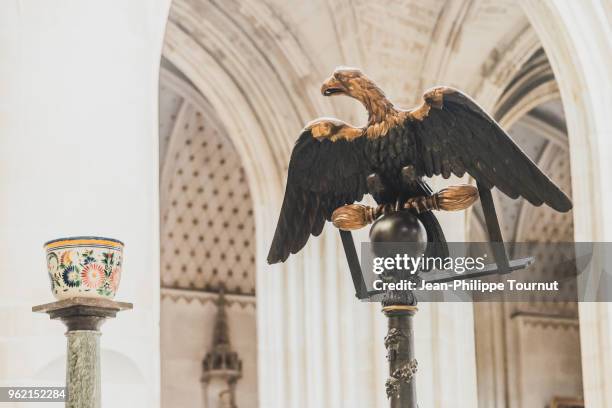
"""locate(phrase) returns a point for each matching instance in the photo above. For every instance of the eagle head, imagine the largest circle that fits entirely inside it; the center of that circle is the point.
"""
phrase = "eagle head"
(353, 83)
(346, 81)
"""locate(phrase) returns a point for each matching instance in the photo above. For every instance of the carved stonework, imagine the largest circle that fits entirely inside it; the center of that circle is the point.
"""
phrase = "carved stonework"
(403, 374)
(543, 321)
(232, 302)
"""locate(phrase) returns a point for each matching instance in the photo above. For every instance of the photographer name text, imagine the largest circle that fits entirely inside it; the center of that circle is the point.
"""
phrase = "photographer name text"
(475, 285)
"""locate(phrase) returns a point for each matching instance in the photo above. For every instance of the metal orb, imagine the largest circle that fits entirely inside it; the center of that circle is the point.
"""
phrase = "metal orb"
(397, 233)
(399, 226)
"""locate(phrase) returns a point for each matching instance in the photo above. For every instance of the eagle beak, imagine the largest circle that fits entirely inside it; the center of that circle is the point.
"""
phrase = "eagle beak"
(332, 86)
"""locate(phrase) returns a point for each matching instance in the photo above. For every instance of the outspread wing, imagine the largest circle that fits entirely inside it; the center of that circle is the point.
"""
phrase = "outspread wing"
(455, 135)
(323, 175)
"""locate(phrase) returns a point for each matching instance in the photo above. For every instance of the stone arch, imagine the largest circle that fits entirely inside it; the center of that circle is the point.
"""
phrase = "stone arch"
(503, 64)
(249, 84)
(206, 209)
(519, 78)
(532, 85)
(227, 100)
(263, 160)
(577, 40)
(574, 38)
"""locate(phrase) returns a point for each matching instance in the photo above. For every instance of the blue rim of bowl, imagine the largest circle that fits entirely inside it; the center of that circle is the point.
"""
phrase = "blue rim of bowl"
(83, 237)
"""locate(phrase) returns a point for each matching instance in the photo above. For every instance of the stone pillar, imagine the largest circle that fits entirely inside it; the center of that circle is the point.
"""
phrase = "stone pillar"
(83, 318)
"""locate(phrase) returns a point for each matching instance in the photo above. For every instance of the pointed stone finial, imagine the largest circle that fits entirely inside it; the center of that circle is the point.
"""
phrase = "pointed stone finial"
(221, 361)
(221, 330)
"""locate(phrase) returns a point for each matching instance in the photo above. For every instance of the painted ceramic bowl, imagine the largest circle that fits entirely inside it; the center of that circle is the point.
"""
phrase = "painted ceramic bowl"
(84, 266)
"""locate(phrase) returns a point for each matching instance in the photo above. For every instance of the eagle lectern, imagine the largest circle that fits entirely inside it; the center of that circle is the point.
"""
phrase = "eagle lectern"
(334, 164)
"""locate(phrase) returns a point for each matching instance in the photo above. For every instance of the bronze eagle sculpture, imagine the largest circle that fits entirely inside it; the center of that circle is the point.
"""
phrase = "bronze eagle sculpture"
(332, 162)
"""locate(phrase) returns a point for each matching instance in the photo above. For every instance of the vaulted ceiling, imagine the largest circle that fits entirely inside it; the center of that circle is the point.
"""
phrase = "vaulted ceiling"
(279, 52)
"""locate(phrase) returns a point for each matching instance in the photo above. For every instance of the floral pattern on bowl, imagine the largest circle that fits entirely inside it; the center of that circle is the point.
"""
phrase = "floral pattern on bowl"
(84, 266)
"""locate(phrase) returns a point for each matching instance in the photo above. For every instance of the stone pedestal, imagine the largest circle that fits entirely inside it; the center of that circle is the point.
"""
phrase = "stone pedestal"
(83, 318)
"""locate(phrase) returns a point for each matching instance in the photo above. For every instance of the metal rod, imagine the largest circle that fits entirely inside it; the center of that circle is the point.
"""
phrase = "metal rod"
(401, 384)
(495, 235)
(361, 291)
(399, 307)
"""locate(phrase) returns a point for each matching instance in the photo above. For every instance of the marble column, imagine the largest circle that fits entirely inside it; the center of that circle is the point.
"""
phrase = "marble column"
(83, 369)
(83, 318)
